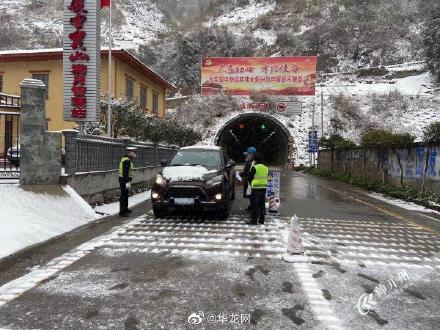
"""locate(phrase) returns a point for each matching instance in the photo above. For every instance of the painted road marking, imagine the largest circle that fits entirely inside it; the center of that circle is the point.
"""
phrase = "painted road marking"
(176, 236)
(381, 209)
(17, 287)
(329, 243)
(320, 306)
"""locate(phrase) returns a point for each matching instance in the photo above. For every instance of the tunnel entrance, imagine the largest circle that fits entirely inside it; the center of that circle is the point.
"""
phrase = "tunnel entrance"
(262, 131)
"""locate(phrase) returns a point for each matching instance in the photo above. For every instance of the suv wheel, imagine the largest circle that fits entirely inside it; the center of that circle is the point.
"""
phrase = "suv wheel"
(224, 212)
(158, 211)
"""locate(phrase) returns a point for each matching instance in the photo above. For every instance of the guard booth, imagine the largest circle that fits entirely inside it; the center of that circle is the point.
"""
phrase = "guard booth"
(9, 137)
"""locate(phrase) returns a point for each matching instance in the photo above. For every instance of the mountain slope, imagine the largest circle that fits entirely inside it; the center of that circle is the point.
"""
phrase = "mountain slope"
(39, 23)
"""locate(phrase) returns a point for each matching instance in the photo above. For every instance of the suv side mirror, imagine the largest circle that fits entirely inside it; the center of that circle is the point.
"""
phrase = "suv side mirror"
(164, 162)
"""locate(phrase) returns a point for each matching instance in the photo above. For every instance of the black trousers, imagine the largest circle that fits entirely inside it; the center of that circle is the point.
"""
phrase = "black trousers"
(258, 203)
(123, 199)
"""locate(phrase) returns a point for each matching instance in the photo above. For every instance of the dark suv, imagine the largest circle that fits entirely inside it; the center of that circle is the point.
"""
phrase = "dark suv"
(197, 178)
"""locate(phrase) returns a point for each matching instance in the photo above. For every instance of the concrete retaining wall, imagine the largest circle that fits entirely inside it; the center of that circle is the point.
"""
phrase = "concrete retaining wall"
(98, 187)
(420, 164)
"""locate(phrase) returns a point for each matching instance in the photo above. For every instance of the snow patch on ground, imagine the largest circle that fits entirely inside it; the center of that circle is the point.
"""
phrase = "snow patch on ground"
(243, 15)
(403, 204)
(411, 86)
(302, 30)
(113, 208)
(85, 283)
(134, 23)
(28, 217)
(31, 217)
(269, 36)
(143, 21)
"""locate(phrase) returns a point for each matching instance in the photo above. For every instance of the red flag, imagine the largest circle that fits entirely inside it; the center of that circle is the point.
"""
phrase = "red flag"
(105, 3)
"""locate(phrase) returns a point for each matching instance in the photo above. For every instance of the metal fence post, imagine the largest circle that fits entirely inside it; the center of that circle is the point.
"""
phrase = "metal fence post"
(70, 151)
(127, 143)
(155, 154)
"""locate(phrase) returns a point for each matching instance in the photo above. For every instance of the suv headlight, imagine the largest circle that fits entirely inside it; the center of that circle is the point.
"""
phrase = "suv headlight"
(215, 181)
(160, 180)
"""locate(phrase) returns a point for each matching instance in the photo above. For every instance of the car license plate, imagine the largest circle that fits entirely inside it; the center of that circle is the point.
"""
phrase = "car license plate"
(184, 201)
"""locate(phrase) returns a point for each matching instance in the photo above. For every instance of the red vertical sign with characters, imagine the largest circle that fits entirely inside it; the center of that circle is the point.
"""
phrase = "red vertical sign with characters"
(81, 60)
(79, 71)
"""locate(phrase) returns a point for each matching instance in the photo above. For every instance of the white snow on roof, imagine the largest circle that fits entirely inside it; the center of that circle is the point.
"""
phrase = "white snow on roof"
(30, 51)
(42, 51)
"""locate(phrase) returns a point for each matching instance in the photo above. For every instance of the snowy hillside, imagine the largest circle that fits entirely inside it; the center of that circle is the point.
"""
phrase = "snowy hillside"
(405, 104)
(138, 22)
(39, 23)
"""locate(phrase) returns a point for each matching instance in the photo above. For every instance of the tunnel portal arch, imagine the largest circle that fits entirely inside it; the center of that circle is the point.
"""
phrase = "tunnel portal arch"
(265, 132)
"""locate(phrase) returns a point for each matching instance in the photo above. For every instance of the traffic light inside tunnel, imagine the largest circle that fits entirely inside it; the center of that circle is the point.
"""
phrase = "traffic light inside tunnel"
(257, 131)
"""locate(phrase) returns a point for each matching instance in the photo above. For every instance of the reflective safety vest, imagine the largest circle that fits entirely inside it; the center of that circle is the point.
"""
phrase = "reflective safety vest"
(121, 167)
(261, 177)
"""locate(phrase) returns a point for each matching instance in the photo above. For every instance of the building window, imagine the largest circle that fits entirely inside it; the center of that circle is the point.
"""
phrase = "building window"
(143, 97)
(155, 103)
(129, 88)
(44, 77)
(1, 83)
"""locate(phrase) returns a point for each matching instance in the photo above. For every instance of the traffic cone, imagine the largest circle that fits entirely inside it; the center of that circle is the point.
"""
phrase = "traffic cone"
(295, 248)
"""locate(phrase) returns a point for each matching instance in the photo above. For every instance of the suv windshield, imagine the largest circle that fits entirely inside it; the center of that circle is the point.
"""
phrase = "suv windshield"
(207, 158)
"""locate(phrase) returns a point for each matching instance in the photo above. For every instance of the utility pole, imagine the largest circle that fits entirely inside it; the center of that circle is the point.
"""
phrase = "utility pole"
(312, 154)
(322, 114)
(109, 108)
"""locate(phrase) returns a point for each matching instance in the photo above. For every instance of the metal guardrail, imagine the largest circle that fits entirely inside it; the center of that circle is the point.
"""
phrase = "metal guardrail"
(89, 153)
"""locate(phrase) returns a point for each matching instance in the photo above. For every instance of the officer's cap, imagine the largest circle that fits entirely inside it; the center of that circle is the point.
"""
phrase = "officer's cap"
(251, 150)
(132, 149)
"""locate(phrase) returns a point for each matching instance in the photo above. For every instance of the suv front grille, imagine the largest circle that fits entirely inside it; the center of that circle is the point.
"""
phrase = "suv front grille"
(186, 192)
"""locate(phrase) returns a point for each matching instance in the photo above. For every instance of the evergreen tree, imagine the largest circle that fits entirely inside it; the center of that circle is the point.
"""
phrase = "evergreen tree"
(431, 42)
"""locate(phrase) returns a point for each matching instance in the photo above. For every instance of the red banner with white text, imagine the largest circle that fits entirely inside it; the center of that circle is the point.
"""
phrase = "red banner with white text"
(263, 75)
(105, 3)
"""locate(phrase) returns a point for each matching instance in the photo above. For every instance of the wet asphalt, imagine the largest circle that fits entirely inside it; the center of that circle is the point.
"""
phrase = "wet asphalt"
(156, 273)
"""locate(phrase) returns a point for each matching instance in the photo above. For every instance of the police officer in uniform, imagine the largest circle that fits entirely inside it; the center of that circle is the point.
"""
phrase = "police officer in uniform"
(249, 154)
(126, 172)
(258, 179)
